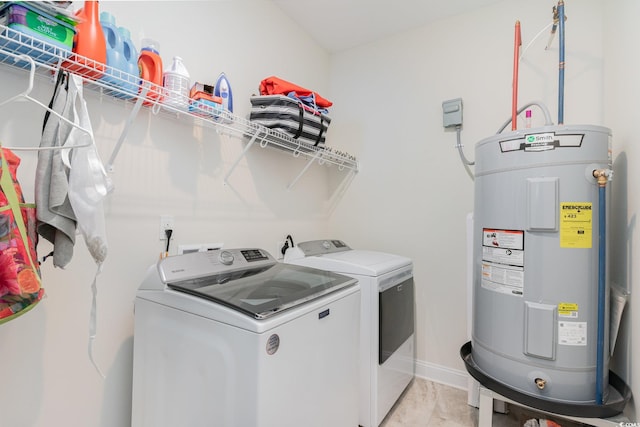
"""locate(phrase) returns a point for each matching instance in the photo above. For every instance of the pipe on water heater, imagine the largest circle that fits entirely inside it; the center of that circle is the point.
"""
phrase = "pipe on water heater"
(517, 42)
(601, 175)
(561, 19)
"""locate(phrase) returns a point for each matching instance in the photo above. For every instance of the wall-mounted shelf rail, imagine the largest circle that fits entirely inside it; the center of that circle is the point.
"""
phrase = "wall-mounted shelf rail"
(49, 59)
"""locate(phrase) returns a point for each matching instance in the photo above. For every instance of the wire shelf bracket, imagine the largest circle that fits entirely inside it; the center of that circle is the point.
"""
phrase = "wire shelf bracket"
(125, 131)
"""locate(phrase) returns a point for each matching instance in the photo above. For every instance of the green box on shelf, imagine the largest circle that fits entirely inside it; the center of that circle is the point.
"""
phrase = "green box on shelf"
(27, 26)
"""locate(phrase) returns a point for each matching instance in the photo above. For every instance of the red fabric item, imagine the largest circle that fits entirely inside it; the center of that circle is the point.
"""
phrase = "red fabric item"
(276, 86)
(20, 283)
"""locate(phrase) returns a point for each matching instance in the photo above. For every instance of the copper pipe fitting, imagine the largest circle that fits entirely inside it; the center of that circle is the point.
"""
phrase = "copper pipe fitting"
(601, 176)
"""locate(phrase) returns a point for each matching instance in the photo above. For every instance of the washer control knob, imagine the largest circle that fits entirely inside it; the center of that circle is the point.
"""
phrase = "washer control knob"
(226, 257)
(326, 244)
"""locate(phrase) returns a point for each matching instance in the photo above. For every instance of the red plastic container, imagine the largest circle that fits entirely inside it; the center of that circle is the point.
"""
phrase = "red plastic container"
(89, 47)
(150, 66)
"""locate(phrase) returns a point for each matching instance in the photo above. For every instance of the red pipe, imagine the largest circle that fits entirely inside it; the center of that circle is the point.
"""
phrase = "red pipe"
(516, 60)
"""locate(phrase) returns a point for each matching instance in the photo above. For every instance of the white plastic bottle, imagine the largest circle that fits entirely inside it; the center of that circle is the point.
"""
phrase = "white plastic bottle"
(176, 83)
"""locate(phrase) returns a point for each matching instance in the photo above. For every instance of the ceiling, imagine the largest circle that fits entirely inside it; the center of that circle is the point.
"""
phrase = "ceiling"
(342, 24)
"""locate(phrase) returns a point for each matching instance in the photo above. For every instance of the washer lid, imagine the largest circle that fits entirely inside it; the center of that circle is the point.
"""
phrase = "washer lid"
(265, 290)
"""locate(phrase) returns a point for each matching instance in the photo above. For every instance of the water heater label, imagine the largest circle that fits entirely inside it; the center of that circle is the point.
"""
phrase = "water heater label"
(568, 309)
(503, 261)
(502, 278)
(572, 333)
(507, 239)
(576, 224)
(503, 256)
(541, 142)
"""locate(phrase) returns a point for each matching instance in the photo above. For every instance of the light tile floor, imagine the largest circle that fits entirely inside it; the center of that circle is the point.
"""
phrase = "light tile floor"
(428, 404)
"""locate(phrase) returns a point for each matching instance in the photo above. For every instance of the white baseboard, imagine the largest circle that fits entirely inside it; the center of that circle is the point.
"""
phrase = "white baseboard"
(442, 374)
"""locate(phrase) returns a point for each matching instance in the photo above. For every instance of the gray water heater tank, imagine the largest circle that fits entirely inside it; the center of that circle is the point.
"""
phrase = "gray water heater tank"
(535, 302)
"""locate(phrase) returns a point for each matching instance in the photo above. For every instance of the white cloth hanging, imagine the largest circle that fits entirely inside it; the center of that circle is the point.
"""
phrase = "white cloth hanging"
(88, 186)
(88, 180)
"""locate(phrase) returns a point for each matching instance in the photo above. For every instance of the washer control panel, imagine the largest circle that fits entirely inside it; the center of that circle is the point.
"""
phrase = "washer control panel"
(201, 264)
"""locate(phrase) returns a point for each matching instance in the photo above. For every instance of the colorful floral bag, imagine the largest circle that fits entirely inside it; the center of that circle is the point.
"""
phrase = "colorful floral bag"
(20, 284)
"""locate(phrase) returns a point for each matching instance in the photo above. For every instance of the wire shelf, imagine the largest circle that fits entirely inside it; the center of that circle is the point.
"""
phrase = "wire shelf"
(98, 77)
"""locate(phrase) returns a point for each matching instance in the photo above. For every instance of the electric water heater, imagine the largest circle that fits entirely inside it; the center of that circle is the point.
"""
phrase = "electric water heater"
(536, 241)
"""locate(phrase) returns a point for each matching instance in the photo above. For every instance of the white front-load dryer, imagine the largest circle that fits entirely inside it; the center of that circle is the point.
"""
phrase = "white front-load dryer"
(387, 325)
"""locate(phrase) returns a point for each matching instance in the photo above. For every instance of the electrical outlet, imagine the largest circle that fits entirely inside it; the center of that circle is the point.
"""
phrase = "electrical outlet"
(166, 223)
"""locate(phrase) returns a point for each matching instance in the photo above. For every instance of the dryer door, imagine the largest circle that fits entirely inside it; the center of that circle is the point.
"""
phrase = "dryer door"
(396, 317)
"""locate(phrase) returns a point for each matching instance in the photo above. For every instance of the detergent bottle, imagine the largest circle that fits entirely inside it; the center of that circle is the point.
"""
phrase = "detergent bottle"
(150, 66)
(89, 45)
(176, 84)
(129, 62)
(115, 59)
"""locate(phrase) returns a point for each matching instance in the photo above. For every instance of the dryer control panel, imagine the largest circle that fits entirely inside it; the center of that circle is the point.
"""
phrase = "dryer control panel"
(320, 247)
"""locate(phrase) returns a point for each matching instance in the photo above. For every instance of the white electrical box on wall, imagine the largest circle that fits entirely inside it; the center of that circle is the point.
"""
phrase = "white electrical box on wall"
(452, 113)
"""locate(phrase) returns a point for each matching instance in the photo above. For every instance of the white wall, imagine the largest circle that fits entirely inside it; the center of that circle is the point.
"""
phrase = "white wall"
(621, 62)
(164, 167)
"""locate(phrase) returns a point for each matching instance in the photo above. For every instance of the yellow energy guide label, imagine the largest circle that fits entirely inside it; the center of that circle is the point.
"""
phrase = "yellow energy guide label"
(568, 309)
(576, 224)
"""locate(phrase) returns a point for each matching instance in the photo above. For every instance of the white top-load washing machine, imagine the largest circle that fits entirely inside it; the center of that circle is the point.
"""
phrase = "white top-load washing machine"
(233, 338)
(387, 347)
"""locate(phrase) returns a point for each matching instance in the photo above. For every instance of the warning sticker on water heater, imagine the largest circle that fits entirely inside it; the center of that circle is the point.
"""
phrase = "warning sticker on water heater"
(502, 278)
(576, 224)
(503, 261)
(507, 239)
